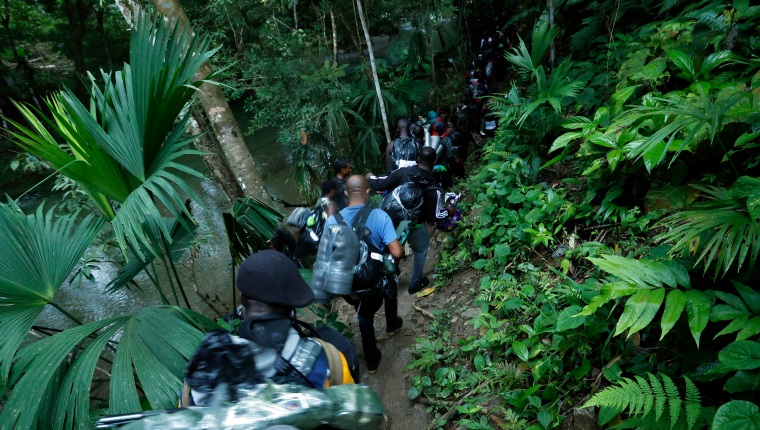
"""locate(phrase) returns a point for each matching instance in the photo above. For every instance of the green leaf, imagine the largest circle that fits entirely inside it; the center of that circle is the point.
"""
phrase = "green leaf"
(716, 59)
(751, 328)
(154, 344)
(741, 355)
(644, 272)
(544, 417)
(38, 253)
(479, 362)
(743, 381)
(564, 139)
(750, 296)
(567, 319)
(674, 306)
(620, 97)
(36, 369)
(607, 414)
(639, 310)
(609, 291)
(698, 312)
(414, 392)
(737, 415)
(577, 122)
(520, 350)
(683, 61)
(654, 155)
(125, 147)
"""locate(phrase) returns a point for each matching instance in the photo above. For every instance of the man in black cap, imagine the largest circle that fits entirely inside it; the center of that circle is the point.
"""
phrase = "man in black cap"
(270, 345)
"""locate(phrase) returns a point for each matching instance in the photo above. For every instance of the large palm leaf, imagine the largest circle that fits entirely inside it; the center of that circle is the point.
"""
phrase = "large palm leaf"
(249, 226)
(154, 344)
(724, 230)
(682, 121)
(38, 252)
(528, 61)
(125, 148)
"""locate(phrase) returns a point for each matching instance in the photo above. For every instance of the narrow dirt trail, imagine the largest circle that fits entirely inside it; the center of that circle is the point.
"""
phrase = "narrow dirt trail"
(392, 380)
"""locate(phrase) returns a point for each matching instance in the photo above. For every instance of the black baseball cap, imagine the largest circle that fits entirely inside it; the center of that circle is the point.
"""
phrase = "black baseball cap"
(270, 277)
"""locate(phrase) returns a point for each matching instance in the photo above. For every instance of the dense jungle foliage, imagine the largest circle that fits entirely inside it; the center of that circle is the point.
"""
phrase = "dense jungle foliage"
(612, 222)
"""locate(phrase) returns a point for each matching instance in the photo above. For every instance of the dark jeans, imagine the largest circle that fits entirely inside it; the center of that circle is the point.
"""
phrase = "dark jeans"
(419, 241)
(366, 308)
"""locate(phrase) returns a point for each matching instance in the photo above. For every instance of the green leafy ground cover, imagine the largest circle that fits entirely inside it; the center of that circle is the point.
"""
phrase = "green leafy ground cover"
(613, 224)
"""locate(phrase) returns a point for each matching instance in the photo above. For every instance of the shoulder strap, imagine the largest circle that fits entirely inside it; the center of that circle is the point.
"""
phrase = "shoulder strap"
(334, 362)
(339, 218)
(362, 217)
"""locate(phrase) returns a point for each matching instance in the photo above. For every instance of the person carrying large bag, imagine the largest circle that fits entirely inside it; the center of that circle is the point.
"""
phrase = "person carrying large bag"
(424, 193)
(378, 230)
(270, 344)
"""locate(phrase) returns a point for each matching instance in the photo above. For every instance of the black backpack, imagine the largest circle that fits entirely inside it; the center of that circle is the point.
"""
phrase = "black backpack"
(403, 149)
(370, 266)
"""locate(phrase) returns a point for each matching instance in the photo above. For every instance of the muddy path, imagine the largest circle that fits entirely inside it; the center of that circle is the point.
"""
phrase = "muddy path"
(392, 380)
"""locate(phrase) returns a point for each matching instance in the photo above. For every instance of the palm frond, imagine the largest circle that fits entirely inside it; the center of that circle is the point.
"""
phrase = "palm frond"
(249, 226)
(156, 342)
(181, 240)
(37, 255)
(126, 148)
(685, 121)
(722, 228)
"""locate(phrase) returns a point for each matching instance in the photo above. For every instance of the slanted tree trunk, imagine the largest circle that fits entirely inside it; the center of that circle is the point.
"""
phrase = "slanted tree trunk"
(218, 111)
(214, 157)
(374, 71)
(334, 37)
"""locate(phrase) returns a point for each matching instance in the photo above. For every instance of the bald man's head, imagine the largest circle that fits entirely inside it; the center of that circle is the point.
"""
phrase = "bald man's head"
(357, 189)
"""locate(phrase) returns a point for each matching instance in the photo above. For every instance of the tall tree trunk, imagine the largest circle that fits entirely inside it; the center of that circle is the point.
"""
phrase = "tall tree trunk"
(211, 97)
(214, 157)
(77, 14)
(99, 17)
(550, 4)
(334, 37)
(356, 26)
(429, 41)
(20, 59)
(221, 118)
(374, 71)
(295, 15)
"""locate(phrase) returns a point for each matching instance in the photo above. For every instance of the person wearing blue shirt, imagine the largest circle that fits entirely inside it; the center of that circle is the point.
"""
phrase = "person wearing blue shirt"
(382, 235)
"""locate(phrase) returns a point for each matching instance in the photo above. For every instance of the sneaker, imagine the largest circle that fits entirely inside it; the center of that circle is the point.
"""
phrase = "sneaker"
(423, 283)
(396, 327)
(372, 367)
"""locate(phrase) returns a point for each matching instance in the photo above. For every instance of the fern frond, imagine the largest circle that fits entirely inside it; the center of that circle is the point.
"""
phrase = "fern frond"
(674, 399)
(659, 396)
(669, 4)
(712, 21)
(647, 396)
(646, 400)
(693, 403)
